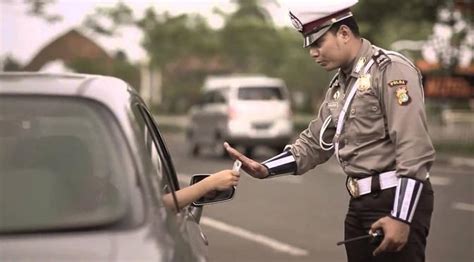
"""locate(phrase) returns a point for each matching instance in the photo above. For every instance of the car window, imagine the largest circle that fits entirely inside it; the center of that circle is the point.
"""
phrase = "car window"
(219, 97)
(260, 93)
(63, 164)
(207, 98)
(215, 96)
(160, 158)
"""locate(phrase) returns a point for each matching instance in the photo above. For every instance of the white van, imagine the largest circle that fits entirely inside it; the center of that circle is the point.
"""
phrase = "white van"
(243, 110)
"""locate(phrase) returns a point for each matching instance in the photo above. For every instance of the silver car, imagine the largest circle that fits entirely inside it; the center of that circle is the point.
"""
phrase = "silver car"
(83, 171)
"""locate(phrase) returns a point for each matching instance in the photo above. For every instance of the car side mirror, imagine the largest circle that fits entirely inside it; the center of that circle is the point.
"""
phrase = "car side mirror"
(214, 196)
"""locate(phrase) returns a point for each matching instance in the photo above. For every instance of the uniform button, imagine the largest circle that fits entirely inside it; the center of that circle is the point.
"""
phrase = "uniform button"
(353, 111)
(374, 108)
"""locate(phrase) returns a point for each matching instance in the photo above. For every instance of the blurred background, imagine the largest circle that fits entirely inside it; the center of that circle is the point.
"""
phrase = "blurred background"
(166, 49)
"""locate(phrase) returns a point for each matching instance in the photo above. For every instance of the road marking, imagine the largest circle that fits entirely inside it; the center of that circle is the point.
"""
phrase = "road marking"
(463, 206)
(258, 238)
(246, 234)
(440, 181)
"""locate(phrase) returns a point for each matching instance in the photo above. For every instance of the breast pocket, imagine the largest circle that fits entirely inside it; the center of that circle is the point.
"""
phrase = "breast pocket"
(334, 109)
(366, 121)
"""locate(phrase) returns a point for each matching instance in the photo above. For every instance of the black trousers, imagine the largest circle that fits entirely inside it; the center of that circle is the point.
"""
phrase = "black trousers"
(367, 209)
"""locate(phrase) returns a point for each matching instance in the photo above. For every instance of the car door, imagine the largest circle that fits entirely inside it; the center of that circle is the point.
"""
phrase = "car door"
(187, 218)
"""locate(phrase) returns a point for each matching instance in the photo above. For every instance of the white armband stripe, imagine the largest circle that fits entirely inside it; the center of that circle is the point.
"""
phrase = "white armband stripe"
(415, 202)
(406, 199)
(283, 163)
(397, 195)
(275, 157)
(280, 162)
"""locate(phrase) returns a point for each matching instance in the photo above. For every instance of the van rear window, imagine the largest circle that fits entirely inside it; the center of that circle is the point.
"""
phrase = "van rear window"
(260, 93)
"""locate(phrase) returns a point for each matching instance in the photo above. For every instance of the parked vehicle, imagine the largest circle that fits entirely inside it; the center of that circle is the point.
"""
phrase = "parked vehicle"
(83, 171)
(245, 111)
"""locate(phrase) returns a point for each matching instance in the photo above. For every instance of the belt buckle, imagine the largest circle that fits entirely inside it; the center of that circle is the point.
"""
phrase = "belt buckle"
(353, 187)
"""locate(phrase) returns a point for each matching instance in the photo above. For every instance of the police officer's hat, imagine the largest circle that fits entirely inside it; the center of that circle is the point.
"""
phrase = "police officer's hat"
(313, 19)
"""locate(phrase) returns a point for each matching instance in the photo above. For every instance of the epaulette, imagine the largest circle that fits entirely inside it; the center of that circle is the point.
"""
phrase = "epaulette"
(381, 58)
(404, 58)
(334, 81)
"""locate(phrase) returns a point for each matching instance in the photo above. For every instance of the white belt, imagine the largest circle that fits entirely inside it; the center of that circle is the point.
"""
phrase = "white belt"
(360, 187)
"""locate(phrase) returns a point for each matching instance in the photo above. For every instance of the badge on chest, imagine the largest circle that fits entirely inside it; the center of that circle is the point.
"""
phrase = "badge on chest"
(336, 95)
(364, 83)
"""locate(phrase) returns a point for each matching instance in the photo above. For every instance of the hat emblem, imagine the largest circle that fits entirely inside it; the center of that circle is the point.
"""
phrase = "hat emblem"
(296, 22)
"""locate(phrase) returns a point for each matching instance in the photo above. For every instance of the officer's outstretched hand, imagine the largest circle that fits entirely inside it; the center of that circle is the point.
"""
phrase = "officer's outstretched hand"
(250, 166)
(395, 234)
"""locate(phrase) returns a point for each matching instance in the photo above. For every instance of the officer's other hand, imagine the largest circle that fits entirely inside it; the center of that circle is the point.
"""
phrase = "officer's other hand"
(395, 234)
(250, 166)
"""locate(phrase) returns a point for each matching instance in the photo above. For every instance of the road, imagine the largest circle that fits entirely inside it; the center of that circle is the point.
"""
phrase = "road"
(300, 218)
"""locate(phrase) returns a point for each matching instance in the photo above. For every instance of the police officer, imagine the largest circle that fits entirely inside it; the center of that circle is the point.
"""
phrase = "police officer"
(373, 120)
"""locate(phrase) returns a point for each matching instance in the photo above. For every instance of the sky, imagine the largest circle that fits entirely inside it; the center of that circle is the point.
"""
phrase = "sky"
(22, 36)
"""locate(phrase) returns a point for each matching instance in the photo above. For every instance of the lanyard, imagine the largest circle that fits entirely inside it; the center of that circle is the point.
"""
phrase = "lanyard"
(342, 114)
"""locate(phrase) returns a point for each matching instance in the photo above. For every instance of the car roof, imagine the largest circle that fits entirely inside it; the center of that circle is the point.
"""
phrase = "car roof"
(108, 90)
(112, 92)
(68, 84)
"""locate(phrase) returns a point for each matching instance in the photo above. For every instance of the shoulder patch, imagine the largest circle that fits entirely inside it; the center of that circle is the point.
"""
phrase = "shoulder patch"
(381, 59)
(400, 82)
(402, 95)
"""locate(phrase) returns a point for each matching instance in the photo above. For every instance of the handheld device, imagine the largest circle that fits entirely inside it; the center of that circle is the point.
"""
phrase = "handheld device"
(237, 165)
(375, 238)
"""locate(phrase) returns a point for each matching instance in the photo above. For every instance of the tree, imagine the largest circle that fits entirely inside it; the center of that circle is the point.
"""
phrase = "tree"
(248, 38)
(117, 16)
(384, 22)
(10, 64)
(39, 8)
(120, 67)
(253, 44)
(169, 38)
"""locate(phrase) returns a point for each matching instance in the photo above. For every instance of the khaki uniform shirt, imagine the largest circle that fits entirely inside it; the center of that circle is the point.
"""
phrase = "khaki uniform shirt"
(385, 127)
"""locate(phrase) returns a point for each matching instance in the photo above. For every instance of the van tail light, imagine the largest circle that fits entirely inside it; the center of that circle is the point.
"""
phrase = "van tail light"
(231, 112)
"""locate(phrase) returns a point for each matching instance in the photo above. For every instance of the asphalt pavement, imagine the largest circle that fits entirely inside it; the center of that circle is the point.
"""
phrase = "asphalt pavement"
(300, 218)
